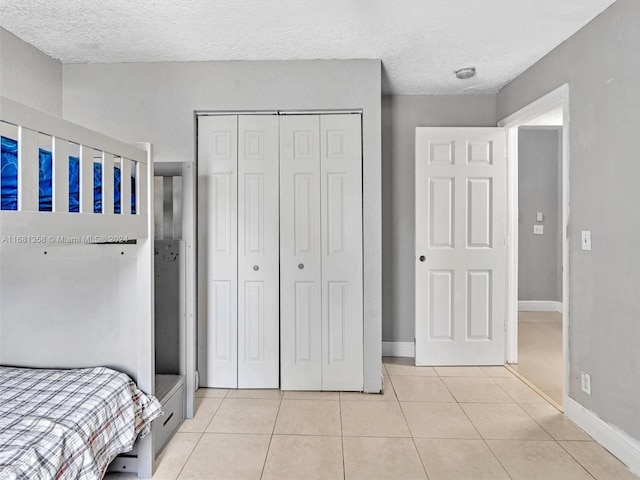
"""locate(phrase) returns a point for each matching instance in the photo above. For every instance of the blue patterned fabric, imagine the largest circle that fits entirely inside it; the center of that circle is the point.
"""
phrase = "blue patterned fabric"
(9, 181)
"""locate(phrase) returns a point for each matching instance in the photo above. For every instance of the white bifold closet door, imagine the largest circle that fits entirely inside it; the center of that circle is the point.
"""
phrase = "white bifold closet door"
(238, 202)
(321, 297)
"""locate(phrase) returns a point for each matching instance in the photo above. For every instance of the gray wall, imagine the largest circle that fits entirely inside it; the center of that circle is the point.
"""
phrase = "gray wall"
(539, 187)
(400, 116)
(29, 76)
(602, 66)
(155, 102)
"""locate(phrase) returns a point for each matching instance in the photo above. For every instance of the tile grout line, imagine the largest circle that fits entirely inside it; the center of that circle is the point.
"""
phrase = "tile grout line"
(344, 466)
(484, 440)
(576, 460)
(413, 440)
(214, 414)
(273, 429)
(189, 456)
(201, 434)
(512, 397)
(496, 457)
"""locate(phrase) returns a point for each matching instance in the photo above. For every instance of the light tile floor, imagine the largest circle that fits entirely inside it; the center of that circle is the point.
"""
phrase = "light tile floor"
(444, 423)
(540, 351)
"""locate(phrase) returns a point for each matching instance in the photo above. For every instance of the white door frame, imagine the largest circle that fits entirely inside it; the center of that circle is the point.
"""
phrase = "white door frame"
(551, 101)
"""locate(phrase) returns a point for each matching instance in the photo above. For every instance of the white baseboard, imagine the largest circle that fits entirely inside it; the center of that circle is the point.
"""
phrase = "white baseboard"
(619, 443)
(539, 306)
(398, 349)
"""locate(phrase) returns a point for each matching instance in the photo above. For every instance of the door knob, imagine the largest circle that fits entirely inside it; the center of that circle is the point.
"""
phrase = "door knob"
(256, 268)
(301, 266)
(423, 258)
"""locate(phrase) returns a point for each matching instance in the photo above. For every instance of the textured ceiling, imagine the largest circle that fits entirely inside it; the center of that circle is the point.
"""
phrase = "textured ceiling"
(420, 42)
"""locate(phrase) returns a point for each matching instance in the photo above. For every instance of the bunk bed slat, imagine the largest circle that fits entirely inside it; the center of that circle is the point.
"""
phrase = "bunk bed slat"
(86, 179)
(142, 192)
(125, 186)
(60, 176)
(107, 183)
(28, 170)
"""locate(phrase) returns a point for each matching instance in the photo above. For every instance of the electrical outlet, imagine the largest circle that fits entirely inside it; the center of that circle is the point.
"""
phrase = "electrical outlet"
(585, 383)
(538, 229)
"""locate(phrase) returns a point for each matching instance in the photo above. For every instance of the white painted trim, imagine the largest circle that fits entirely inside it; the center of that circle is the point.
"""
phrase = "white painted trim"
(512, 247)
(191, 293)
(211, 113)
(398, 349)
(554, 99)
(539, 306)
(619, 443)
(545, 104)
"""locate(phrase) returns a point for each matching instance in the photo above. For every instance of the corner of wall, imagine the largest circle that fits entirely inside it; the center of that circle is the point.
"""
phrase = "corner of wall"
(28, 75)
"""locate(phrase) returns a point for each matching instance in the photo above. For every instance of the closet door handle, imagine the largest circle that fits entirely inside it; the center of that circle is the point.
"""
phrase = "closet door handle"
(256, 268)
(300, 266)
(423, 258)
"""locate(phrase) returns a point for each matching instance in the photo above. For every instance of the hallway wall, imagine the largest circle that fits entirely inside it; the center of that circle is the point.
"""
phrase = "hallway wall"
(602, 67)
(539, 190)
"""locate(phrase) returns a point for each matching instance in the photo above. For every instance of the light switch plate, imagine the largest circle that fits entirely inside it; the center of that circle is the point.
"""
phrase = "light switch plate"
(586, 240)
(539, 216)
(538, 229)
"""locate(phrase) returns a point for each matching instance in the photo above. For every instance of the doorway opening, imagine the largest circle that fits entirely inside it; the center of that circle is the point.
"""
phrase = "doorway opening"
(538, 273)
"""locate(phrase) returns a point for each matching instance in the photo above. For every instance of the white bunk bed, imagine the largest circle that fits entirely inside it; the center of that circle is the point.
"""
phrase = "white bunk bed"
(76, 288)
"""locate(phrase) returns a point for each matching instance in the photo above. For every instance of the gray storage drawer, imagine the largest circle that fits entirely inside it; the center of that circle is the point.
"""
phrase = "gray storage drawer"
(165, 426)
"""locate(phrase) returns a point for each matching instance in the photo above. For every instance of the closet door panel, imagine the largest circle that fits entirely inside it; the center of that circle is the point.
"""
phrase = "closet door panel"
(341, 220)
(300, 252)
(258, 266)
(217, 247)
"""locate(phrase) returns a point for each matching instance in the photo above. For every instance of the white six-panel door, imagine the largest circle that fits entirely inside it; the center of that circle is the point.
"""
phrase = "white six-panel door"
(341, 226)
(218, 246)
(258, 232)
(300, 254)
(321, 252)
(460, 246)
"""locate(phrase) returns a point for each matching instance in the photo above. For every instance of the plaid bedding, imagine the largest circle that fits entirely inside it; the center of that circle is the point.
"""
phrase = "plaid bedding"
(68, 424)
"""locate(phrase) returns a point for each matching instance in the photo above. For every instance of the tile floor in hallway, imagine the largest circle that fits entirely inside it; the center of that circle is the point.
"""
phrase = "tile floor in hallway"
(451, 423)
(540, 351)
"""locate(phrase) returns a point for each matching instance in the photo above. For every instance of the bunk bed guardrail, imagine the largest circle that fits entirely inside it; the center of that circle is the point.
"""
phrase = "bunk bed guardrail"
(29, 224)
